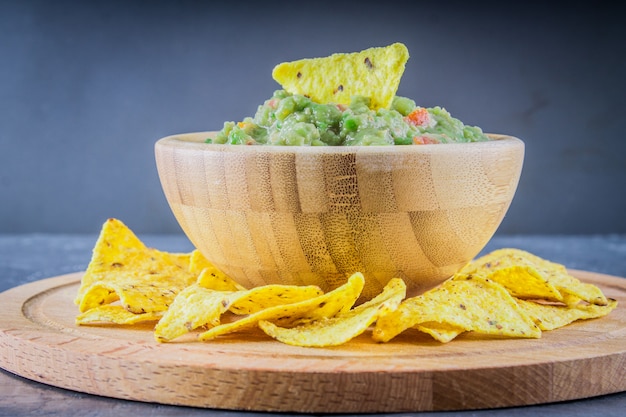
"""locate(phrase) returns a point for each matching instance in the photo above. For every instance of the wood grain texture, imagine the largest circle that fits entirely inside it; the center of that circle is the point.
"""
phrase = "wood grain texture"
(315, 215)
(250, 371)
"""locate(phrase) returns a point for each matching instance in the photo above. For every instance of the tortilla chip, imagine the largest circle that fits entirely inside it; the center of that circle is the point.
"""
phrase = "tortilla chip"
(474, 304)
(137, 292)
(442, 332)
(373, 73)
(574, 291)
(550, 316)
(114, 234)
(321, 307)
(267, 296)
(531, 277)
(114, 314)
(342, 327)
(214, 279)
(197, 306)
(522, 281)
(197, 262)
(193, 307)
(123, 268)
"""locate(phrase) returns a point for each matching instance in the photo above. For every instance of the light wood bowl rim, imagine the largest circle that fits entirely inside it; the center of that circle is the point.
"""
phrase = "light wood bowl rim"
(195, 141)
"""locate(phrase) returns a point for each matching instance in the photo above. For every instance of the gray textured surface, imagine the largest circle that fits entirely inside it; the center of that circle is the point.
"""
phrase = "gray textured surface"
(27, 258)
(86, 88)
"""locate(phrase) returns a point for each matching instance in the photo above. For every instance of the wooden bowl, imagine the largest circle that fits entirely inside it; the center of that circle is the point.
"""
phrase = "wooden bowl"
(314, 215)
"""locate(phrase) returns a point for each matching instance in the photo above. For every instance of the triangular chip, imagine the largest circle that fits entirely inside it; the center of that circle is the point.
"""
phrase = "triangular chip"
(214, 279)
(209, 276)
(115, 314)
(522, 281)
(373, 73)
(528, 276)
(550, 316)
(326, 305)
(138, 292)
(197, 262)
(476, 304)
(442, 332)
(193, 307)
(115, 239)
(123, 268)
(343, 327)
(197, 306)
(271, 295)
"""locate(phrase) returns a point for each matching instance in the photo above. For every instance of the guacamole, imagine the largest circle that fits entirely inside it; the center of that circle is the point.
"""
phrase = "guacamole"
(295, 120)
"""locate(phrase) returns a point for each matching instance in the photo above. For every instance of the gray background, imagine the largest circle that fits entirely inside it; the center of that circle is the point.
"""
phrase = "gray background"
(86, 88)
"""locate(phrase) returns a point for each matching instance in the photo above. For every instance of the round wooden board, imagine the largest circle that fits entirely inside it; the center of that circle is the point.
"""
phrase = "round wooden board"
(250, 371)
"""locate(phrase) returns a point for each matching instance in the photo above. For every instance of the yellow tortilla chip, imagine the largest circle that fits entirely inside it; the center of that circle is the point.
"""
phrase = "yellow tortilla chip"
(123, 268)
(114, 314)
(442, 332)
(373, 73)
(267, 296)
(550, 316)
(193, 307)
(197, 306)
(517, 271)
(197, 262)
(214, 279)
(324, 306)
(574, 291)
(342, 327)
(114, 234)
(137, 292)
(522, 281)
(209, 276)
(529, 276)
(95, 296)
(475, 304)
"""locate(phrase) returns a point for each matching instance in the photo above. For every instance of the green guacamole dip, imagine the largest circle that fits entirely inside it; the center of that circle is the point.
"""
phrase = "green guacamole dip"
(295, 120)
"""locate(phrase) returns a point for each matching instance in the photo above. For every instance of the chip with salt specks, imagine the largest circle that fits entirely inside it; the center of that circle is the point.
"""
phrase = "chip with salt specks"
(523, 281)
(551, 316)
(442, 332)
(323, 306)
(137, 292)
(528, 276)
(115, 314)
(193, 307)
(115, 245)
(197, 262)
(212, 278)
(122, 268)
(373, 73)
(475, 304)
(197, 306)
(271, 295)
(342, 327)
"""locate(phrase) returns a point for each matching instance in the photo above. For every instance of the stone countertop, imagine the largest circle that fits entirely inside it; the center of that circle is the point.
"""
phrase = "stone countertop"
(31, 257)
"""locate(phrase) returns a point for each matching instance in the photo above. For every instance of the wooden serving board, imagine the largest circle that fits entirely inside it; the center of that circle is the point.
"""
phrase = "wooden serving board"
(250, 371)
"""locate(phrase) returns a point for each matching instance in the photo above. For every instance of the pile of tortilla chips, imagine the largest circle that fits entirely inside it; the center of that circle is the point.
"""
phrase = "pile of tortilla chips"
(508, 293)
(128, 283)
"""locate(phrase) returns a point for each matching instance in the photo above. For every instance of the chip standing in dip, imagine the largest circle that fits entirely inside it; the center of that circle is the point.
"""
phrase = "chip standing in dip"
(346, 99)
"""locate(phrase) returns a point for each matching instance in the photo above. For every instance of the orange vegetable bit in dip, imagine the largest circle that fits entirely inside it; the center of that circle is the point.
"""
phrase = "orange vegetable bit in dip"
(418, 117)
